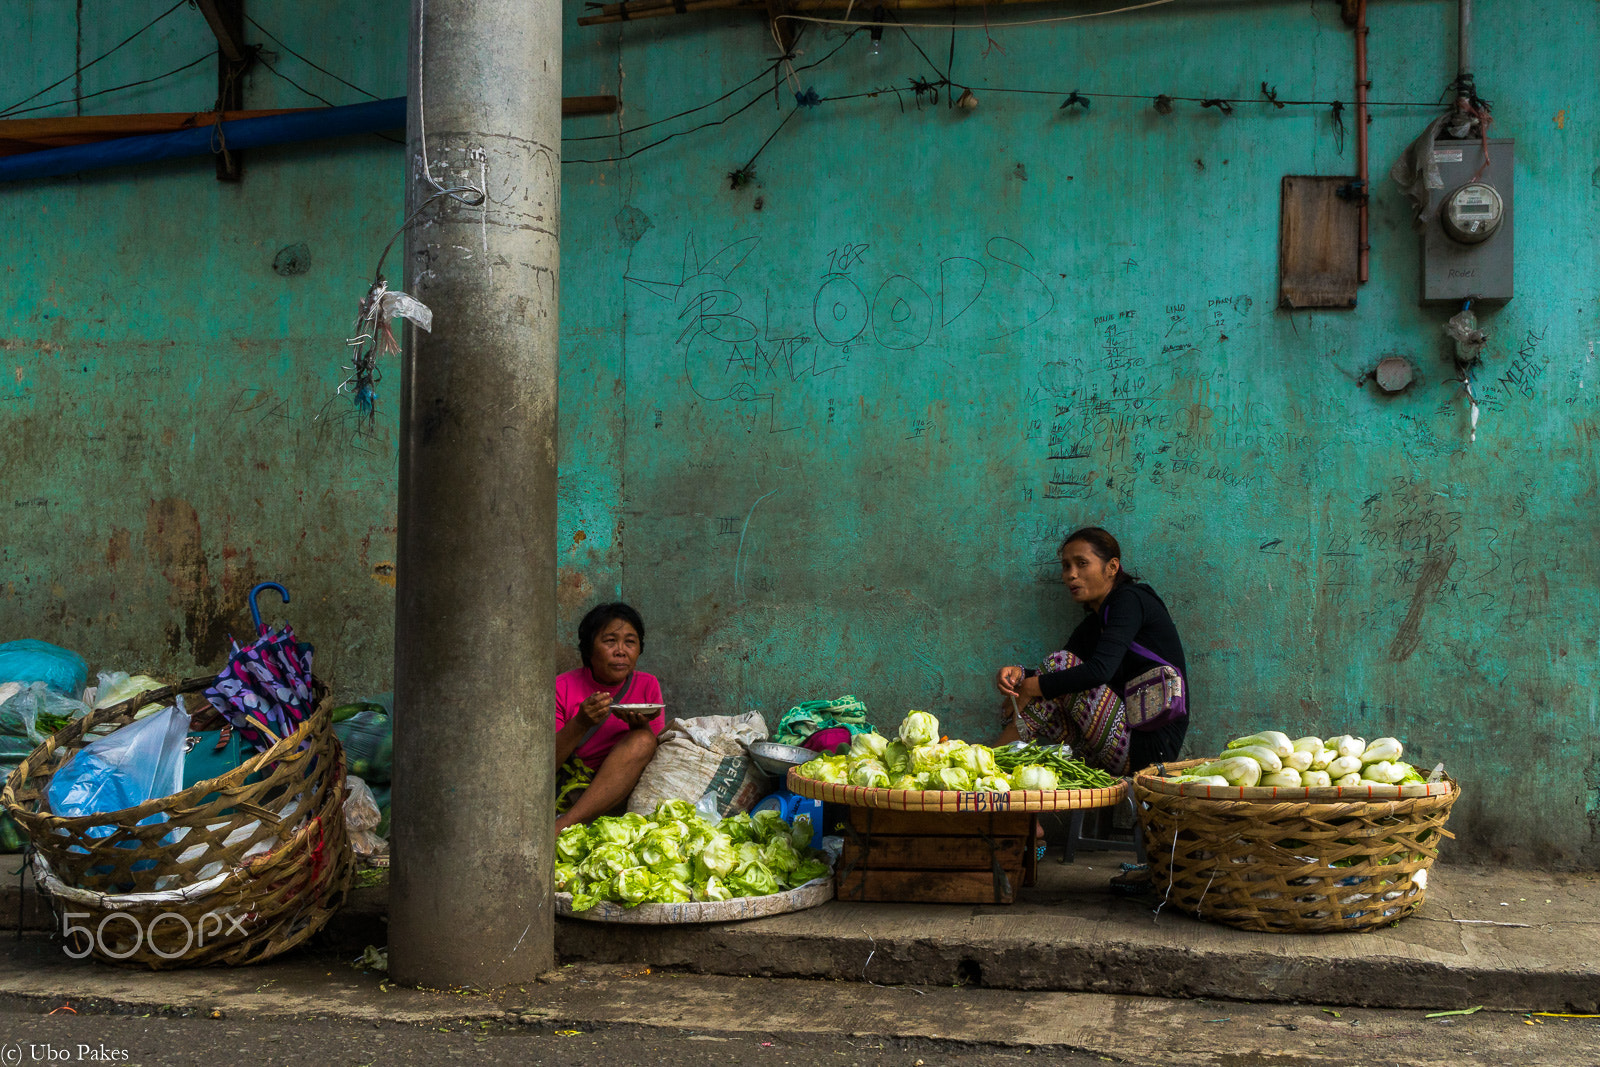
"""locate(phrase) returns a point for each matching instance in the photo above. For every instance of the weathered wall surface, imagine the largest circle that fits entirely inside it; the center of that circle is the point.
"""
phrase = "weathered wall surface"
(826, 430)
(168, 432)
(859, 401)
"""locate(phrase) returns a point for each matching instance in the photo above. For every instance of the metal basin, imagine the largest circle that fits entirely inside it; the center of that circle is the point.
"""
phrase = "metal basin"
(775, 759)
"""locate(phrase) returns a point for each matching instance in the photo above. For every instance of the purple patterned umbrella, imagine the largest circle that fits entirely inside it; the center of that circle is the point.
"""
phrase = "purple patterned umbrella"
(265, 690)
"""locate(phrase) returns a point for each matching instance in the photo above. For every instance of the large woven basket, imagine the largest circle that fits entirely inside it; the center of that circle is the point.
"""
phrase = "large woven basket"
(239, 871)
(1289, 865)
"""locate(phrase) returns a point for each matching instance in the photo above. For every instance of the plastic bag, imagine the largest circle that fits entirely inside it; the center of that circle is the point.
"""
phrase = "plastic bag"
(368, 740)
(117, 686)
(361, 818)
(141, 761)
(30, 661)
(33, 715)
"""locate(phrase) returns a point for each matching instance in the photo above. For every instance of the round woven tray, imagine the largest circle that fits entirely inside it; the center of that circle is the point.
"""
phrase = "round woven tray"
(237, 872)
(1306, 863)
(809, 895)
(953, 802)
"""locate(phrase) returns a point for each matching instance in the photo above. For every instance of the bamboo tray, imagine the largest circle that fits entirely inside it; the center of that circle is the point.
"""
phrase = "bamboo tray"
(817, 891)
(954, 802)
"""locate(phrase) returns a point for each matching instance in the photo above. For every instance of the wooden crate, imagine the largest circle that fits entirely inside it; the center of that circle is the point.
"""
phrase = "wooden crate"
(916, 857)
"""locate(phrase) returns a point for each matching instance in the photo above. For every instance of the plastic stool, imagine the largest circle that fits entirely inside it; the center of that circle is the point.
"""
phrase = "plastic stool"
(791, 806)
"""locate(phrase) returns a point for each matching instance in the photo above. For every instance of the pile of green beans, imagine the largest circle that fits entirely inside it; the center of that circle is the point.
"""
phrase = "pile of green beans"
(1072, 772)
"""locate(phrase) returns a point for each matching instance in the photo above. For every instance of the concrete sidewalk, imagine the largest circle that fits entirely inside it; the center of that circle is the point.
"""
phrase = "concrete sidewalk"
(1504, 939)
(562, 1017)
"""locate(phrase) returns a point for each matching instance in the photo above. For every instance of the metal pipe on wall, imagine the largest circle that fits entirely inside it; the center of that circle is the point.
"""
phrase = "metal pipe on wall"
(1464, 38)
(285, 128)
(474, 794)
(1364, 246)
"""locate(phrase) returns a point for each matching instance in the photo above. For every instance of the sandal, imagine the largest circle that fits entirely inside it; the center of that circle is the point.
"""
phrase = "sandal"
(1135, 880)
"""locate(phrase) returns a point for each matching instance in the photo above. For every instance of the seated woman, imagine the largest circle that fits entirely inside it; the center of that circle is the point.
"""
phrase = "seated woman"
(1078, 698)
(614, 746)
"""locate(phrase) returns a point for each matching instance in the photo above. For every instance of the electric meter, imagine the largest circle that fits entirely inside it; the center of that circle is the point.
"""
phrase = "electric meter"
(1468, 247)
(1472, 213)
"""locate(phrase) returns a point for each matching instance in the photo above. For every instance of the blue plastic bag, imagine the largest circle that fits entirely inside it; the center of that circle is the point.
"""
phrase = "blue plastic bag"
(138, 762)
(29, 661)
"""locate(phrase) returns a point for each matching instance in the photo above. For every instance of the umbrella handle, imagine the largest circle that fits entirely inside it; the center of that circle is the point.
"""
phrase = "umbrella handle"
(255, 591)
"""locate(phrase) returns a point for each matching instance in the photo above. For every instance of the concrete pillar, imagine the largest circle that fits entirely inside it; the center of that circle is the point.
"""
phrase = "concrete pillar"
(470, 897)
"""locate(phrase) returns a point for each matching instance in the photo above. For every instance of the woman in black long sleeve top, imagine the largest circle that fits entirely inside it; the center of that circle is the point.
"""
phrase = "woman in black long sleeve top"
(1127, 631)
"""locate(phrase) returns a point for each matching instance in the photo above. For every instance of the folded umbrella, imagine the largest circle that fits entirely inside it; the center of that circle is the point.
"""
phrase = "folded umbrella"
(265, 691)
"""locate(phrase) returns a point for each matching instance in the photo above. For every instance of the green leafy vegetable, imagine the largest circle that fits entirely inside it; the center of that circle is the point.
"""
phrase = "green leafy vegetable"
(675, 856)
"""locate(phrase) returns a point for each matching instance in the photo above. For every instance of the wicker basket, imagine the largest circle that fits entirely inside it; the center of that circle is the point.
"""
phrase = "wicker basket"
(1285, 865)
(237, 873)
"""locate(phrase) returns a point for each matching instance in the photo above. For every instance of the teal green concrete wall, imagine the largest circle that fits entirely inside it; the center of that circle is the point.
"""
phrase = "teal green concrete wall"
(826, 430)
(166, 432)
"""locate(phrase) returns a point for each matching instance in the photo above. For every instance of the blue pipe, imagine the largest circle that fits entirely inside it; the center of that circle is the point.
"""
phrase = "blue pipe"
(239, 133)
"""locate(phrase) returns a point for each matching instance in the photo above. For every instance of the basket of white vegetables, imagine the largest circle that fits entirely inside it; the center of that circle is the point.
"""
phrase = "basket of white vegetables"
(1295, 836)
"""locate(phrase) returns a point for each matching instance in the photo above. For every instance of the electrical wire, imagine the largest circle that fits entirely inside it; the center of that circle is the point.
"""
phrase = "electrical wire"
(1213, 100)
(707, 125)
(754, 100)
(276, 73)
(92, 62)
(750, 166)
(113, 89)
(280, 42)
(985, 25)
(636, 129)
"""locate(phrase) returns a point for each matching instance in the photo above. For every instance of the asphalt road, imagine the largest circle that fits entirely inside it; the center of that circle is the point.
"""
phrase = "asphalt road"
(319, 1009)
(28, 1036)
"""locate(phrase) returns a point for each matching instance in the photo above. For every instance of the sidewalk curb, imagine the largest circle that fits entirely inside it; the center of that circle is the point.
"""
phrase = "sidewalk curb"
(1111, 967)
(1075, 941)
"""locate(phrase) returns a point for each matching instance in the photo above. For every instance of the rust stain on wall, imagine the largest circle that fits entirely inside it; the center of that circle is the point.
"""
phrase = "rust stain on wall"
(117, 546)
(176, 546)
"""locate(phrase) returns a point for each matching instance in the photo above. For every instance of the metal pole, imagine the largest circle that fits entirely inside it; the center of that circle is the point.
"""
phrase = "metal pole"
(1464, 38)
(470, 897)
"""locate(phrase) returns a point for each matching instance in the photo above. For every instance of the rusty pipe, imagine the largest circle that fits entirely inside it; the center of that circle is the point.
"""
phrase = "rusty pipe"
(1364, 247)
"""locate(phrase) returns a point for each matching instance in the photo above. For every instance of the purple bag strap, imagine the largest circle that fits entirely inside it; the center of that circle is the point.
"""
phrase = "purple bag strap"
(1134, 646)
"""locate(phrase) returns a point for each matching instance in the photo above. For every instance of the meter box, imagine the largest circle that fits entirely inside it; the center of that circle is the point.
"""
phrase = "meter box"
(1466, 249)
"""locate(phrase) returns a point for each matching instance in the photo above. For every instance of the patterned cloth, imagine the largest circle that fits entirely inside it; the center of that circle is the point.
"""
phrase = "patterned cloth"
(803, 720)
(1094, 723)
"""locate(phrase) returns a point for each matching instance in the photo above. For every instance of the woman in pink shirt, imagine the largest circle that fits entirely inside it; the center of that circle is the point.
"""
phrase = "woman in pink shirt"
(614, 744)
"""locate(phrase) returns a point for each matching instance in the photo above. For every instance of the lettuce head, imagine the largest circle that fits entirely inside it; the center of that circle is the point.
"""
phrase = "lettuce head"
(868, 746)
(869, 773)
(919, 728)
(572, 844)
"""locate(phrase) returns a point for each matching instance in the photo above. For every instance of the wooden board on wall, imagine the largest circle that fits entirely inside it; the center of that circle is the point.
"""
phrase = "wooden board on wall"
(1318, 238)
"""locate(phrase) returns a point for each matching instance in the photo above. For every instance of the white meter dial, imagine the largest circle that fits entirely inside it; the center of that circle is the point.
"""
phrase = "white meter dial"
(1473, 213)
